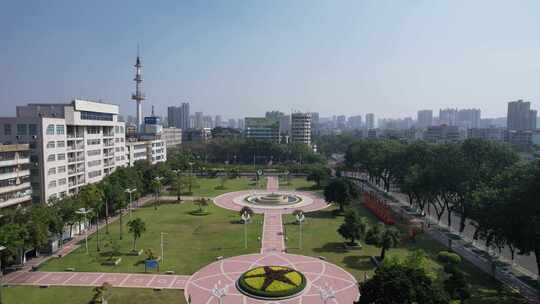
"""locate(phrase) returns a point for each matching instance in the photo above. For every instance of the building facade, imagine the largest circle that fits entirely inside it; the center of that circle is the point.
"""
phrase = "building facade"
(442, 134)
(370, 121)
(172, 136)
(424, 118)
(71, 144)
(152, 151)
(520, 117)
(15, 187)
(178, 117)
(301, 128)
(261, 128)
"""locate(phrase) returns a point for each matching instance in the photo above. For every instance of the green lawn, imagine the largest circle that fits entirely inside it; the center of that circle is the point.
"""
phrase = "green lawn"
(82, 295)
(320, 238)
(211, 186)
(297, 183)
(191, 241)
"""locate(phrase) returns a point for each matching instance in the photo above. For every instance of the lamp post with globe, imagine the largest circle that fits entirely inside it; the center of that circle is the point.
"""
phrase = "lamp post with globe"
(245, 218)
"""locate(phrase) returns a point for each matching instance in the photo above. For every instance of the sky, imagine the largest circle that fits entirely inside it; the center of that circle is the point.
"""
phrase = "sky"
(241, 58)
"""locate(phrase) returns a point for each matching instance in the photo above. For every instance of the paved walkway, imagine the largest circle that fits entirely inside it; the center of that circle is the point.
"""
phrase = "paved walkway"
(132, 280)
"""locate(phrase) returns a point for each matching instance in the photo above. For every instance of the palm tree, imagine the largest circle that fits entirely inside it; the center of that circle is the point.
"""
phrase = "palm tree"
(156, 184)
(136, 227)
(390, 238)
(201, 202)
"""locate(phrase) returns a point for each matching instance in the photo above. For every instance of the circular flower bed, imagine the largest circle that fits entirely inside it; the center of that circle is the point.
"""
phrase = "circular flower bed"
(271, 282)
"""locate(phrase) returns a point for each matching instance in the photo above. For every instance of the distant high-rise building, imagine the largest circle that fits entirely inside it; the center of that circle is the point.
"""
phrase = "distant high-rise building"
(425, 118)
(520, 116)
(274, 114)
(208, 122)
(232, 123)
(199, 123)
(191, 122)
(341, 121)
(315, 124)
(240, 125)
(301, 128)
(178, 117)
(285, 125)
(355, 122)
(469, 118)
(370, 121)
(448, 117)
(217, 121)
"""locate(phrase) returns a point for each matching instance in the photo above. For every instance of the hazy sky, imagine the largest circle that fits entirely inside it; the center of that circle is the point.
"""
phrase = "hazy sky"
(239, 58)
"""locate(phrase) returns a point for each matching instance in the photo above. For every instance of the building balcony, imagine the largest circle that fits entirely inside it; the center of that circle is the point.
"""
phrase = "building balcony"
(26, 197)
(21, 186)
(14, 162)
(14, 174)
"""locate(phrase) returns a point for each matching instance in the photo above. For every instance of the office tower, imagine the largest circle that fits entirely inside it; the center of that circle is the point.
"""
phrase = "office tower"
(72, 144)
(370, 121)
(315, 124)
(301, 128)
(208, 122)
(469, 118)
(425, 118)
(520, 116)
(241, 124)
(448, 117)
(355, 122)
(262, 128)
(274, 115)
(341, 122)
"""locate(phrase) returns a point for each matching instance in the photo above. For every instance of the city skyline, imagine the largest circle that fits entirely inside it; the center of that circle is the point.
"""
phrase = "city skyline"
(242, 59)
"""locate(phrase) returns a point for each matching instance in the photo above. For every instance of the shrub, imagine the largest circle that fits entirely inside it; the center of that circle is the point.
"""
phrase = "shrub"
(448, 257)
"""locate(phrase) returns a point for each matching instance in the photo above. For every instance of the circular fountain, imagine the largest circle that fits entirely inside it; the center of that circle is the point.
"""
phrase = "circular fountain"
(273, 199)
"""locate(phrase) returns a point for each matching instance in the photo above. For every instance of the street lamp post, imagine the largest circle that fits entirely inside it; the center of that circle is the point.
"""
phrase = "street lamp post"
(300, 217)
(130, 191)
(84, 212)
(245, 218)
(162, 246)
(179, 189)
(2, 248)
(190, 176)
(158, 181)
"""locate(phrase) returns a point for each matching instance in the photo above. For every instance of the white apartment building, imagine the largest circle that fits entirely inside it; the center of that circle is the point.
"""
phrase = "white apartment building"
(15, 188)
(172, 136)
(152, 150)
(71, 144)
(301, 128)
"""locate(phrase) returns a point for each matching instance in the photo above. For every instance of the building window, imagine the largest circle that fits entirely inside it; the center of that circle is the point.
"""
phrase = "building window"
(52, 184)
(60, 129)
(7, 129)
(85, 115)
(32, 129)
(94, 152)
(93, 130)
(61, 156)
(51, 171)
(94, 163)
(21, 129)
(91, 142)
(61, 169)
(50, 145)
(51, 157)
(50, 130)
(60, 144)
(62, 181)
(94, 174)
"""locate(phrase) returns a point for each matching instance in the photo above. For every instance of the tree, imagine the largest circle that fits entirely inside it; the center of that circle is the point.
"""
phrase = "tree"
(456, 285)
(178, 185)
(201, 203)
(247, 210)
(354, 227)
(92, 196)
(101, 293)
(398, 284)
(136, 227)
(383, 237)
(340, 191)
(317, 173)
